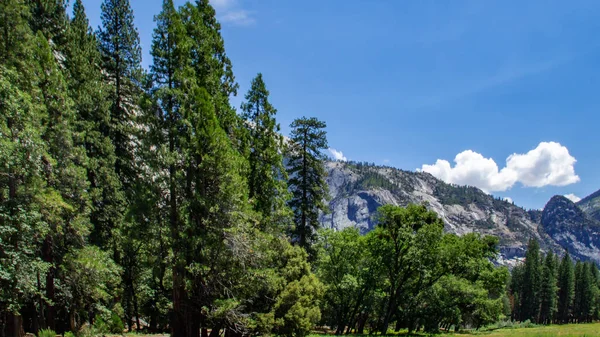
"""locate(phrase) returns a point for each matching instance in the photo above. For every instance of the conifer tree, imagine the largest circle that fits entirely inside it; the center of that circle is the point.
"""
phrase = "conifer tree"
(266, 180)
(211, 64)
(65, 201)
(583, 306)
(121, 54)
(530, 303)
(566, 288)
(206, 191)
(91, 103)
(22, 179)
(21, 184)
(50, 17)
(548, 290)
(307, 177)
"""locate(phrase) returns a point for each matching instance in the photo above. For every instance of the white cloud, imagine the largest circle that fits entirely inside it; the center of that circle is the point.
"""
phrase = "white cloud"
(230, 11)
(548, 164)
(508, 199)
(572, 197)
(337, 155)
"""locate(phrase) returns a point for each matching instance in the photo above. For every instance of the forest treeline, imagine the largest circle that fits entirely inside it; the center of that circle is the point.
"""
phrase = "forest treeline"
(548, 289)
(141, 200)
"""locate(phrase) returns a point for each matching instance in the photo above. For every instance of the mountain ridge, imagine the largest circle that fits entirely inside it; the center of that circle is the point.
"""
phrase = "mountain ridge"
(358, 189)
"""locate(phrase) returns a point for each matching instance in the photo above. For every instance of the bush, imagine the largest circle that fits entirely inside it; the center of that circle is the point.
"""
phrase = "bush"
(116, 324)
(113, 325)
(46, 333)
(69, 334)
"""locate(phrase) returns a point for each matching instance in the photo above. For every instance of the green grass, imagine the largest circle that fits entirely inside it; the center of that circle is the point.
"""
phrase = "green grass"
(569, 330)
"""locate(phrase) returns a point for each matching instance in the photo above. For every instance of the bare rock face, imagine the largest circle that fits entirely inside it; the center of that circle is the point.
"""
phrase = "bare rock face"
(357, 190)
(572, 228)
(591, 205)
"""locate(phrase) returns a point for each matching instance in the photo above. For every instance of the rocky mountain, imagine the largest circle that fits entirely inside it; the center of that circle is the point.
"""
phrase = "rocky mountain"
(591, 205)
(358, 189)
(572, 228)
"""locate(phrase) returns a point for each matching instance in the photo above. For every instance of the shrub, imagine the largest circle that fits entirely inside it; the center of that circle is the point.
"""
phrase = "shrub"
(46, 333)
(113, 324)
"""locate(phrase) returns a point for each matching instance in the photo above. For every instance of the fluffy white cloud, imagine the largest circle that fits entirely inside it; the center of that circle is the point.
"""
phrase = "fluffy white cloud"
(548, 164)
(337, 155)
(572, 197)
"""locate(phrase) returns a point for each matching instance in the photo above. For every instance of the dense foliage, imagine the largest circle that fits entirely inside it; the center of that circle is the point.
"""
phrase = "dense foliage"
(547, 289)
(134, 200)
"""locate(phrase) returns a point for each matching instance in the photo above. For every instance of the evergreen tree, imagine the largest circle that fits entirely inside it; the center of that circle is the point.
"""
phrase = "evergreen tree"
(65, 202)
(121, 54)
(307, 177)
(206, 192)
(548, 290)
(21, 184)
(530, 299)
(22, 179)
(516, 285)
(91, 102)
(578, 298)
(566, 289)
(211, 65)
(50, 17)
(266, 180)
(583, 306)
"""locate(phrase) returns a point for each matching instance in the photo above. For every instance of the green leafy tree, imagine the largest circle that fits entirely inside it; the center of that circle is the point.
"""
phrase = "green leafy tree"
(267, 176)
(91, 278)
(408, 242)
(339, 266)
(566, 289)
(307, 177)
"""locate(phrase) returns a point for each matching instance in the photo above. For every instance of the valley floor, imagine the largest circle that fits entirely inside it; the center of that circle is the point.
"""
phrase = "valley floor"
(569, 330)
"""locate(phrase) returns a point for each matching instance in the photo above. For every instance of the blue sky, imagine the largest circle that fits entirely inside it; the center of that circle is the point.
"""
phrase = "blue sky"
(405, 83)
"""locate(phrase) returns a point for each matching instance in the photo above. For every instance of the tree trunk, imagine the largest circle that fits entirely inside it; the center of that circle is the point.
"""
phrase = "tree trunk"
(136, 311)
(49, 321)
(72, 324)
(215, 331)
(178, 315)
(14, 325)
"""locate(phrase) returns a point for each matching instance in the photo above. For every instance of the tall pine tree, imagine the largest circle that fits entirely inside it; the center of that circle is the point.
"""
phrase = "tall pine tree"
(266, 180)
(21, 167)
(211, 64)
(566, 288)
(90, 96)
(548, 290)
(307, 177)
(121, 54)
(530, 300)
